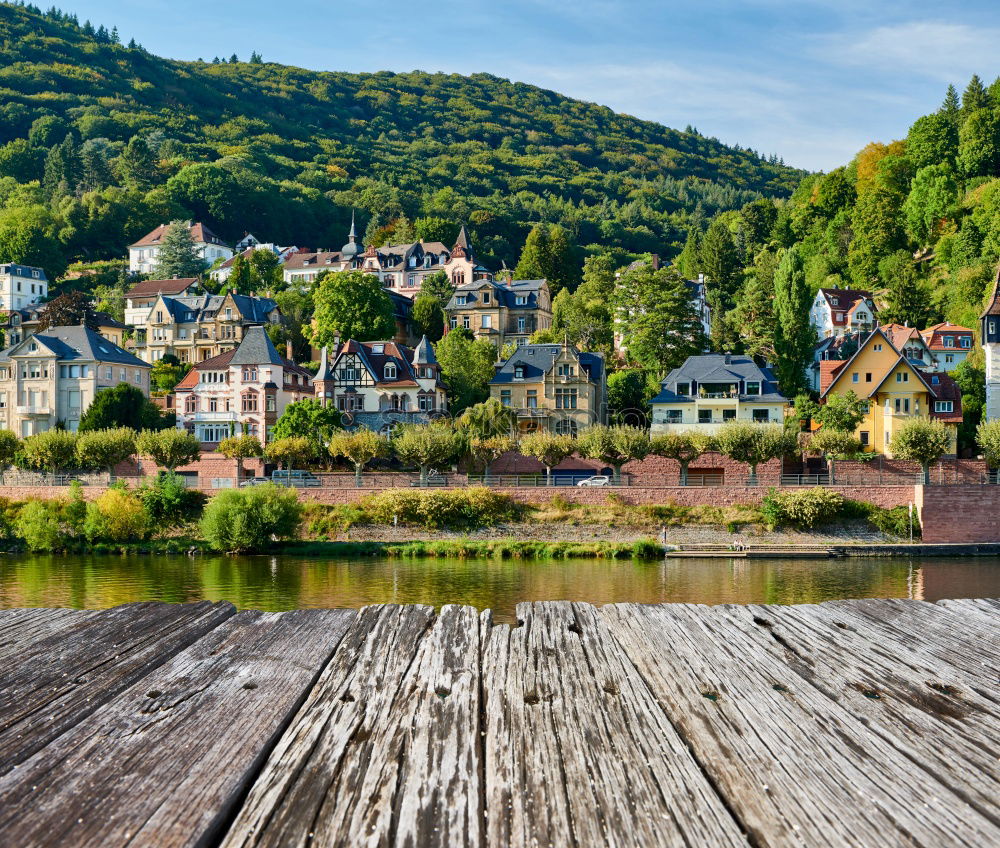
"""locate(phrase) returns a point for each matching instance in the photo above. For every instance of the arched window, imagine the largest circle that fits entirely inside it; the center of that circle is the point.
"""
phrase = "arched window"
(389, 373)
(190, 404)
(458, 278)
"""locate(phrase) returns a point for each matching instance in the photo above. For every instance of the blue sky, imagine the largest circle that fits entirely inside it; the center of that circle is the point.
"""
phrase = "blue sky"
(812, 81)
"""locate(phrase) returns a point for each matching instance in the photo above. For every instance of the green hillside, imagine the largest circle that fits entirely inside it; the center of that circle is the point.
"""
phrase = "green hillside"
(100, 141)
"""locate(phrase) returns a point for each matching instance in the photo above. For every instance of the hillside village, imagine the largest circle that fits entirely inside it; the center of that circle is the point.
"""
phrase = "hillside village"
(409, 334)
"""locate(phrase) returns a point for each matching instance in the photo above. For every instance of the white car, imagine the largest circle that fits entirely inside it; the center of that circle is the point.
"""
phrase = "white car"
(597, 480)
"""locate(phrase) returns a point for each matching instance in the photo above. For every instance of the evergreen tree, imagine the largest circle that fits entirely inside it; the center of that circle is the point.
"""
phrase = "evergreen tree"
(721, 266)
(794, 335)
(754, 313)
(951, 108)
(95, 172)
(178, 255)
(656, 319)
(548, 255)
(256, 58)
(688, 261)
(234, 59)
(239, 276)
(974, 97)
(907, 299)
(114, 37)
(62, 168)
(136, 165)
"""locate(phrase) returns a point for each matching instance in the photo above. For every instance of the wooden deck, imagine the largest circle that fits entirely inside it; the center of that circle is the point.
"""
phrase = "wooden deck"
(851, 723)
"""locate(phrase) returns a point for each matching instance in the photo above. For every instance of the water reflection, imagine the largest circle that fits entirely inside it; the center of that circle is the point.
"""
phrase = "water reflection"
(279, 583)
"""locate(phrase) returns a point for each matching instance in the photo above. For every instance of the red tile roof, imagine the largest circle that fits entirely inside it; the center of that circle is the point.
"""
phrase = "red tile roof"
(934, 336)
(176, 286)
(200, 234)
(828, 369)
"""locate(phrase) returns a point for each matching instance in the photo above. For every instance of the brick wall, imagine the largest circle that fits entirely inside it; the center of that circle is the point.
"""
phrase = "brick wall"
(657, 471)
(885, 496)
(959, 513)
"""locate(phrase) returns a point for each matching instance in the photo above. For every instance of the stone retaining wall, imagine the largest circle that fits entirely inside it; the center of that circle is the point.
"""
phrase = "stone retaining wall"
(959, 513)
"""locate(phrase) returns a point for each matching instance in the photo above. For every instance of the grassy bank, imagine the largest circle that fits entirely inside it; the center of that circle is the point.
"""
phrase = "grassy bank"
(648, 549)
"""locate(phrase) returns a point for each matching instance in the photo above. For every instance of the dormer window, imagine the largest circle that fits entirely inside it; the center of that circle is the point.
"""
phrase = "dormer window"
(684, 389)
(949, 341)
(378, 348)
(566, 370)
(966, 342)
(461, 300)
(519, 372)
(520, 300)
(389, 373)
(753, 387)
(486, 297)
(835, 301)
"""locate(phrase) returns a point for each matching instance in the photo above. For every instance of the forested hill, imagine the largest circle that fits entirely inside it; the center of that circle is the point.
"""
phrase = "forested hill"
(286, 152)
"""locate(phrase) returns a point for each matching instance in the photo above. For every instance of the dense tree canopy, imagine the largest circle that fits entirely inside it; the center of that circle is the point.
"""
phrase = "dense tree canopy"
(104, 141)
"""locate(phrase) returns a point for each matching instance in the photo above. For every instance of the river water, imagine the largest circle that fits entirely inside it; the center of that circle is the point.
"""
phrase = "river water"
(284, 582)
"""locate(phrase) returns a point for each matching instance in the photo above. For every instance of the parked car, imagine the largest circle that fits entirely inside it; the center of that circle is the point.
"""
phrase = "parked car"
(254, 481)
(596, 480)
(298, 479)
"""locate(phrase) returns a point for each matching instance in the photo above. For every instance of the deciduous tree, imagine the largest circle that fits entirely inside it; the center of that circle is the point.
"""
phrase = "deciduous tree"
(360, 447)
(921, 440)
(614, 446)
(351, 305)
(548, 448)
(684, 448)
(427, 446)
(169, 449)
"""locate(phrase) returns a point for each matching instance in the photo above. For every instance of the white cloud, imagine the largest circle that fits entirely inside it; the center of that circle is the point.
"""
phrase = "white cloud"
(932, 49)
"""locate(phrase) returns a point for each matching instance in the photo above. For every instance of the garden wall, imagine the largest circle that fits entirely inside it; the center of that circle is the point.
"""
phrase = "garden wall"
(959, 513)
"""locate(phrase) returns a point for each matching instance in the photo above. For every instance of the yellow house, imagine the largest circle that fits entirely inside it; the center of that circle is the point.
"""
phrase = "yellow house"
(896, 391)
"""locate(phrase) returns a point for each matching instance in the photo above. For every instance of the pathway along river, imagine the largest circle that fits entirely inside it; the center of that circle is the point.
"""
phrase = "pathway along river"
(284, 582)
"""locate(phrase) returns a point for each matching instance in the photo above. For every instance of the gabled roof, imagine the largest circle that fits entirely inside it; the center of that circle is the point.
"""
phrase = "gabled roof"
(934, 336)
(375, 361)
(913, 368)
(200, 234)
(900, 334)
(256, 348)
(315, 259)
(178, 285)
(845, 297)
(78, 343)
(861, 347)
(537, 360)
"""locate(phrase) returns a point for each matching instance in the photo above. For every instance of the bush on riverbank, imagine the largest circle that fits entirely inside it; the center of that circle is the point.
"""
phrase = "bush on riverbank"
(248, 520)
(810, 508)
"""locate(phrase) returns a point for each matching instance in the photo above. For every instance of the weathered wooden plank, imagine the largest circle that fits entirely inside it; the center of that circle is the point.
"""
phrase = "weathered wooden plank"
(21, 628)
(988, 606)
(916, 705)
(167, 761)
(385, 751)
(578, 752)
(929, 630)
(61, 679)
(795, 766)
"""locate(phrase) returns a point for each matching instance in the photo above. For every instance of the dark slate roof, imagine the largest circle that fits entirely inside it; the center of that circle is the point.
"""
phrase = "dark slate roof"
(252, 309)
(713, 368)
(504, 293)
(538, 359)
(256, 349)
(22, 271)
(993, 308)
(79, 342)
(423, 354)
(325, 371)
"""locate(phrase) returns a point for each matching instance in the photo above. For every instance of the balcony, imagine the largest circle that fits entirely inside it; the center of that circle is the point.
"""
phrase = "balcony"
(206, 417)
(34, 410)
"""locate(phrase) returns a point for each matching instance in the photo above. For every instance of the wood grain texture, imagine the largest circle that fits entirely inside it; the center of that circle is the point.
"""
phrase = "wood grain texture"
(578, 752)
(165, 763)
(59, 680)
(385, 751)
(22, 628)
(796, 767)
(915, 704)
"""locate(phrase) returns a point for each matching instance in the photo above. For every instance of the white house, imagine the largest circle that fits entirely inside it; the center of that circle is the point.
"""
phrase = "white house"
(838, 311)
(21, 285)
(144, 254)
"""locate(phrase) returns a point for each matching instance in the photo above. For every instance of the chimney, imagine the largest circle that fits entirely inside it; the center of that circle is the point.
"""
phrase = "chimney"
(728, 358)
(701, 279)
(288, 351)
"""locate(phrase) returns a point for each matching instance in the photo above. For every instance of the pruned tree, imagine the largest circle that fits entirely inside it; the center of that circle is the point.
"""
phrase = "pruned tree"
(169, 449)
(240, 448)
(548, 448)
(684, 448)
(360, 447)
(614, 446)
(921, 440)
(754, 444)
(105, 448)
(427, 446)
